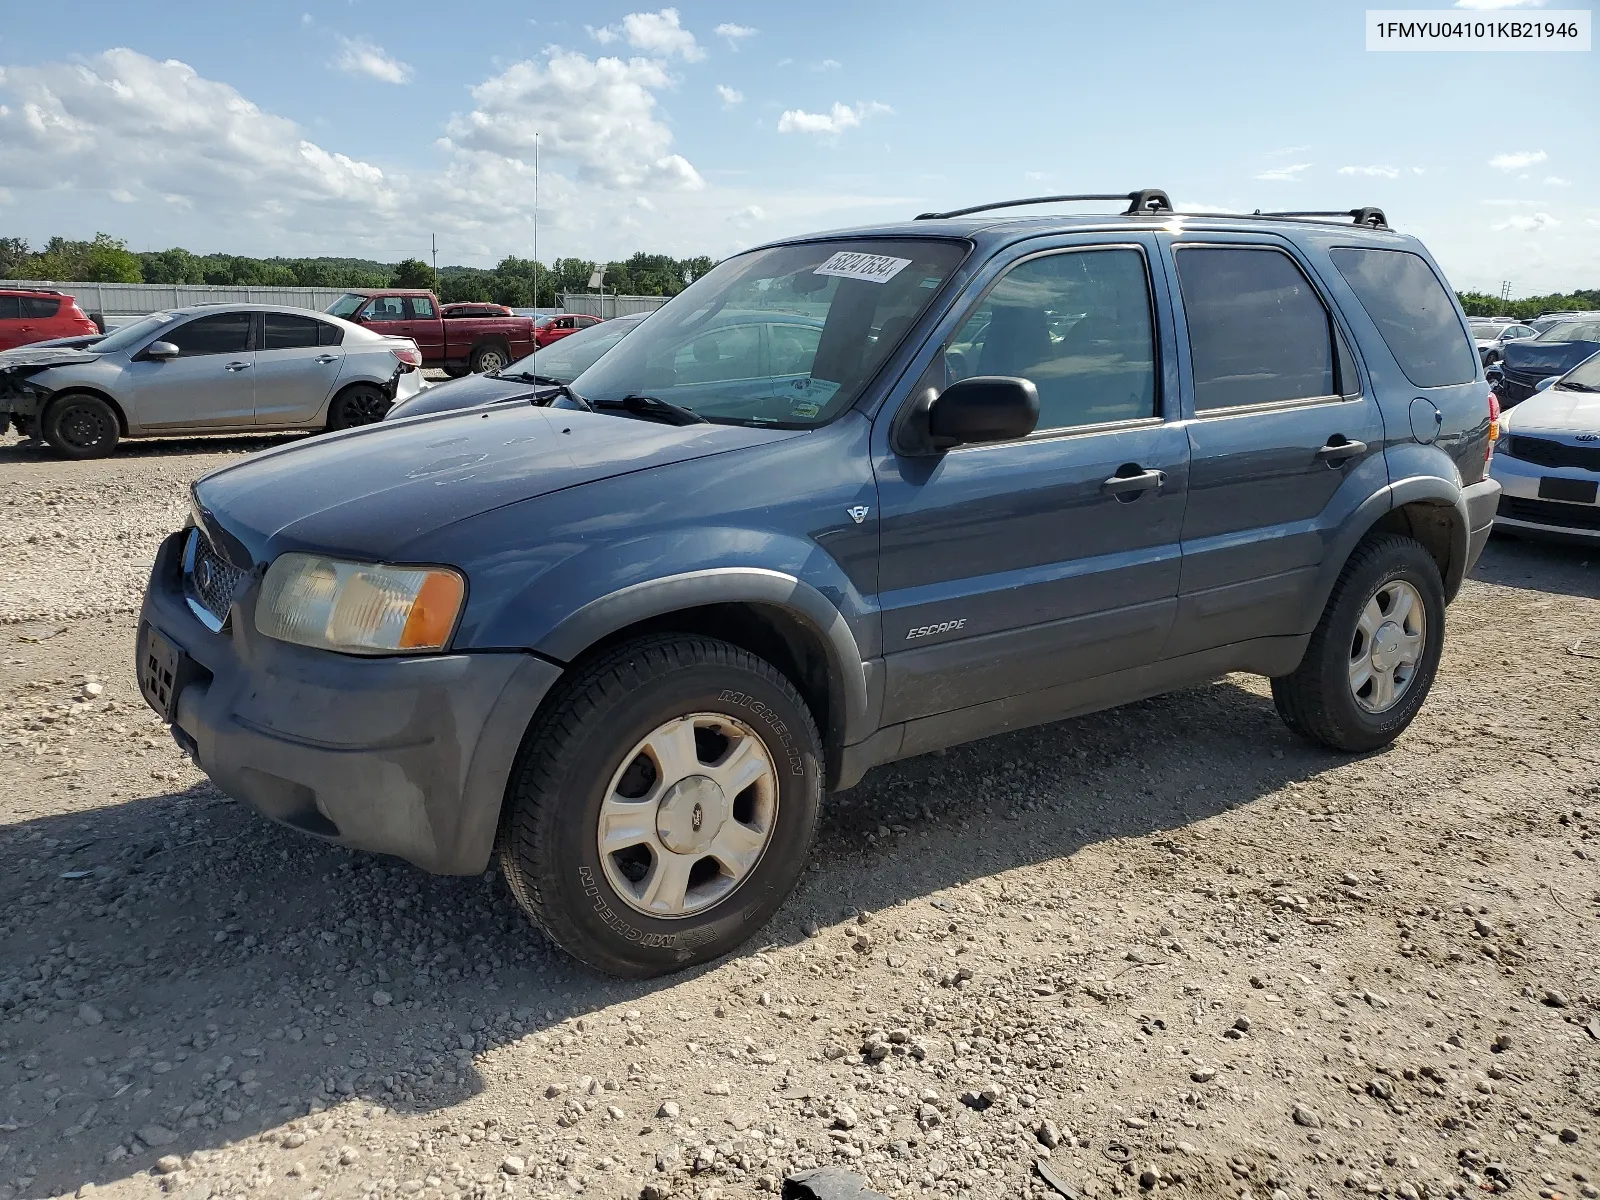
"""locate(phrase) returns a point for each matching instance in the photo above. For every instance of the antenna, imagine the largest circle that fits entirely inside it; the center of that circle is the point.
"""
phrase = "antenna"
(533, 355)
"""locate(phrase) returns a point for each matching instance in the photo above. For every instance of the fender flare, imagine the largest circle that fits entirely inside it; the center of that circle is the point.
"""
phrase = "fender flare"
(1420, 489)
(726, 585)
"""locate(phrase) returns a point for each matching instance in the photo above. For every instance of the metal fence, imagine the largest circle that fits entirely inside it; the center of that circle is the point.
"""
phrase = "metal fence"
(609, 305)
(136, 299)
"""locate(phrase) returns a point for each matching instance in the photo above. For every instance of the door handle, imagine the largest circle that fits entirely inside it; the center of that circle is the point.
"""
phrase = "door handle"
(325, 359)
(237, 366)
(1340, 448)
(1123, 485)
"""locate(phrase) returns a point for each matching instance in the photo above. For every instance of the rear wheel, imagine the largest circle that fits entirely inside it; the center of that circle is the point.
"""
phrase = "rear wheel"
(81, 425)
(1374, 654)
(362, 404)
(663, 805)
(488, 359)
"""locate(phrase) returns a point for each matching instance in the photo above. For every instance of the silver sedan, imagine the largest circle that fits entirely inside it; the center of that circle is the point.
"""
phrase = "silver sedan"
(248, 368)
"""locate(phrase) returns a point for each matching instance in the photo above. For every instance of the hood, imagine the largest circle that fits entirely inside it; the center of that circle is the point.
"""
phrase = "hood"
(45, 356)
(1546, 358)
(1557, 411)
(370, 492)
(466, 392)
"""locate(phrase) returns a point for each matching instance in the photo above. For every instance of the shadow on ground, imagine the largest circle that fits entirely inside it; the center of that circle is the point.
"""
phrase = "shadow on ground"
(1534, 565)
(13, 450)
(207, 975)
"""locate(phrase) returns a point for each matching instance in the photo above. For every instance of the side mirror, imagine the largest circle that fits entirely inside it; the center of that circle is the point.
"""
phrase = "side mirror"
(1549, 381)
(984, 408)
(161, 351)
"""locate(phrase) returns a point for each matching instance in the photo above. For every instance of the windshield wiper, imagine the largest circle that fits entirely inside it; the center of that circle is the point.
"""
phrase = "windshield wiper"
(528, 377)
(652, 407)
(1572, 385)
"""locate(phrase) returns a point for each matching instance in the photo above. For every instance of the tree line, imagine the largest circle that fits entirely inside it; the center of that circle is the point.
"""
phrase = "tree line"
(106, 259)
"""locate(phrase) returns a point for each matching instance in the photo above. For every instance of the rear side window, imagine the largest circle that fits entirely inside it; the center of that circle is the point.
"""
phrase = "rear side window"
(1413, 312)
(421, 307)
(285, 332)
(223, 333)
(329, 335)
(40, 307)
(1258, 333)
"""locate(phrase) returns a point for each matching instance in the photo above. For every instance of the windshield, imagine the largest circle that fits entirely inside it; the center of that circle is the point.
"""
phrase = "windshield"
(572, 356)
(1487, 333)
(345, 305)
(1572, 331)
(131, 335)
(786, 336)
(1585, 377)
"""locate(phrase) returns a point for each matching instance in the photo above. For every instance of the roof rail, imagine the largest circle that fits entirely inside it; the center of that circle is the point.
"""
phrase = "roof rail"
(1145, 201)
(1371, 217)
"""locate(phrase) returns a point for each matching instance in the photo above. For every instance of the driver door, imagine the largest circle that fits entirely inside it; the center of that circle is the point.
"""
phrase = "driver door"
(210, 385)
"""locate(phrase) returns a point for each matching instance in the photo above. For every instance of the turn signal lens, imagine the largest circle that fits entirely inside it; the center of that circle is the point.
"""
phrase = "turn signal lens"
(1494, 418)
(359, 608)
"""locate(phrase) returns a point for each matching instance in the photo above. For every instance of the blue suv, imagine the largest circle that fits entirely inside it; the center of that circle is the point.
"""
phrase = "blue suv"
(965, 474)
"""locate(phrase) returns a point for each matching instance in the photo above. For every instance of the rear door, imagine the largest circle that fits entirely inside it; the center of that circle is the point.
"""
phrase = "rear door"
(1284, 442)
(1017, 567)
(11, 334)
(210, 385)
(297, 366)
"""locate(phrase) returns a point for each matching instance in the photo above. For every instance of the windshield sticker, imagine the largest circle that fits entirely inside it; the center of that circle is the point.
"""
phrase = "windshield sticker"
(874, 268)
(811, 394)
(805, 408)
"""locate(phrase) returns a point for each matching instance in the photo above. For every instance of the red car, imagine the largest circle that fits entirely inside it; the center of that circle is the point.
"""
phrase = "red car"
(553, 329)
(27, 317)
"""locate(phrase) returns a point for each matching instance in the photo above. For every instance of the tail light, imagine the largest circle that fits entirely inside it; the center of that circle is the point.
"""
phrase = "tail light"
(409, 354)
(1494, 428)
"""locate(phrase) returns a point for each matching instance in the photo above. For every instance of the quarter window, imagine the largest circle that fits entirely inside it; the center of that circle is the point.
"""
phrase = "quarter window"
(40, 307)
(1413, 312)
(422, 308)
(1078, 326)
(222, 333)
(285, 332)
(1258, 332)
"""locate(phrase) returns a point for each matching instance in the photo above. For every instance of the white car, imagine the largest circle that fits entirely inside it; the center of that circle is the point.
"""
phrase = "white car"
(237, 368)
(1491, 338)
(1548, 459)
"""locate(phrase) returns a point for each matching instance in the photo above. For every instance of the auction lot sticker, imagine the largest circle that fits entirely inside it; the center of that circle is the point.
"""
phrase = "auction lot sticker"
(852, 264)
(1481, 29)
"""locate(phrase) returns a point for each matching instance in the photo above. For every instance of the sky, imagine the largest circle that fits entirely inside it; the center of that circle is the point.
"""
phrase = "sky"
(357, 128)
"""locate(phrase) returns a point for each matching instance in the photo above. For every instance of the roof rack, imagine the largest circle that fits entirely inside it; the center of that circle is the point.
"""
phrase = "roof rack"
(1144, 202)
(1370, 217)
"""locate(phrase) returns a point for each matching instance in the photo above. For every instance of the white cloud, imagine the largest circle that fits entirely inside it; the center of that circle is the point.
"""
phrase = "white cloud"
(1531, 223)
(1491, 4)
(1557, 181)
(730, 97)
(657, 33)
(836, 120)
(1377, 171)
(357, 56)
(307, 19)
(748, 216)
(734, 34)
(600, 113)
(123, 196)
(827, 64)
(1517, 160)
(1287, 174)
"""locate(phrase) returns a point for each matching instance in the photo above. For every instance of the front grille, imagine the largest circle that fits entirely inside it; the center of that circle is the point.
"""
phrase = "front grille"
(1550, 512)
(1514, 388)
(1545, 452)
(209, 580)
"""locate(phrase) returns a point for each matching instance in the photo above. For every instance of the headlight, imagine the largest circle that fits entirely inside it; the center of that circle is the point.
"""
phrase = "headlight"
(358, 608)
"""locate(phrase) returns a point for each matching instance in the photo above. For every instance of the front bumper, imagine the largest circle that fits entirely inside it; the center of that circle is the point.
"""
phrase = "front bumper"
(1521, 509)
(402, 756)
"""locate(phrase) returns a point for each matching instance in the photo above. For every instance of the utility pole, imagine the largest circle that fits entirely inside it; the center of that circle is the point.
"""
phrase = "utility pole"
(1505, 289)
(435, 238)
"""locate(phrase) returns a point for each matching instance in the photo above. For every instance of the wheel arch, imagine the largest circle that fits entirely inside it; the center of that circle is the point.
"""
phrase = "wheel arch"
(771, 614)
(84, 390)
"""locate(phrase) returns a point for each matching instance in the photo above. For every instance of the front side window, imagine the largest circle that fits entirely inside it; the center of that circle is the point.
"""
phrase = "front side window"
(220, 333)
(422, 307)
(1258, 333)
(1078, 326)
(385, 308)
(1413, 312)
(862, 295)
(285, 332)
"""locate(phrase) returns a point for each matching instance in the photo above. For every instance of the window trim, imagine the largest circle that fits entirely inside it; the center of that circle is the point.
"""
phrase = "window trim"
(1336, 336)
(252, 332)
(1042, 435)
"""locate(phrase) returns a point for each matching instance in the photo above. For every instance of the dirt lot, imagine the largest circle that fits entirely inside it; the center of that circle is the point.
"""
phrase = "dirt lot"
(1169, 947)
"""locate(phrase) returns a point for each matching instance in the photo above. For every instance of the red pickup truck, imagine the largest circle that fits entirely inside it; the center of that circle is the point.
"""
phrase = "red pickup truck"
(458, 344)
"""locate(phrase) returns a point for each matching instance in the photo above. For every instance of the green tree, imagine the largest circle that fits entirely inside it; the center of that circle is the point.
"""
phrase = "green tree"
(412, 273)
(14, 255)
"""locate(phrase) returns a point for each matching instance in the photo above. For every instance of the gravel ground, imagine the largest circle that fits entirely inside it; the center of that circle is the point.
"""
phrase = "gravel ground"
(1166, 948)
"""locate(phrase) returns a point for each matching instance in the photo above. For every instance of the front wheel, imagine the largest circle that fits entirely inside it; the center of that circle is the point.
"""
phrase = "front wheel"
(1375, 652)
(81, 425)
(663, 805)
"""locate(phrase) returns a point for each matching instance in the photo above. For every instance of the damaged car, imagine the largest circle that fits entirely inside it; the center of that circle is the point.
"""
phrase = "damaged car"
(252, 368)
